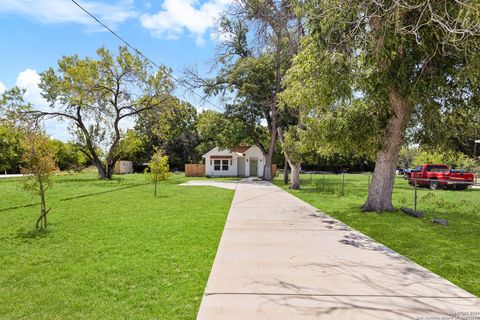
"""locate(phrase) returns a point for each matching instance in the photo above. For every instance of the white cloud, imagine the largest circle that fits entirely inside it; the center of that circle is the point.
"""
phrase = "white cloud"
(29, 80)
(62, 11)
(178, 15)
(2, 87)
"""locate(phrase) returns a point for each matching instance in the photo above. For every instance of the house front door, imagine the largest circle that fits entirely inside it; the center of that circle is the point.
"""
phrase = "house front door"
(253, 167)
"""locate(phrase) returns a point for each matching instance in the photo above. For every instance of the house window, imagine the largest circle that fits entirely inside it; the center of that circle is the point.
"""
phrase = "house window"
(216, 165)
(224, 165)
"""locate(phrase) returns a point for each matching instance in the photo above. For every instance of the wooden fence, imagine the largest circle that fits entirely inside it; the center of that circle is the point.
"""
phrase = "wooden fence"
(274, 170)
(194, 170)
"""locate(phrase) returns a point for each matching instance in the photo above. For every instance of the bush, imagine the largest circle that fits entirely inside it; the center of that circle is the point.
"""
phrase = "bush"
(67, 156)
(11, 149)
(455, 160)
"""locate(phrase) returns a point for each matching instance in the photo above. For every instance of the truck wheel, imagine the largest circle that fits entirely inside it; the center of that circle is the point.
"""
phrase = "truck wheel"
(434, 185)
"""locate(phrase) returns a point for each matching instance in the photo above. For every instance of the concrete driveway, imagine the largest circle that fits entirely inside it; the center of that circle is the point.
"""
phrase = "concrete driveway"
(280, 258)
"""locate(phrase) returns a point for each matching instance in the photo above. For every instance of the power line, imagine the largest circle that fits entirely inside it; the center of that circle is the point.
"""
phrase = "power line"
(141, 54)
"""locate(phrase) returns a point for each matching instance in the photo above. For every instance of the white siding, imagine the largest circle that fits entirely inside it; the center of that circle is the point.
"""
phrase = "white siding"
(209, 165)
(255, 153)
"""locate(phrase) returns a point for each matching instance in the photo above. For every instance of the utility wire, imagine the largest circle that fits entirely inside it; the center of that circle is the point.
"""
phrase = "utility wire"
(141, 54)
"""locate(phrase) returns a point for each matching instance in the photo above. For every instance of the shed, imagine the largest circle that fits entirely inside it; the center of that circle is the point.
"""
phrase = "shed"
(123, 166)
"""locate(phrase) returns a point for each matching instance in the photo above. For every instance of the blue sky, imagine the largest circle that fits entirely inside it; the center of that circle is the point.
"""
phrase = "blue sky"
(35, 34)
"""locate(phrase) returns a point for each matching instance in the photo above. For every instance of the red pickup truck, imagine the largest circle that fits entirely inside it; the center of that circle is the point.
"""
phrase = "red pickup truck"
(435, 176)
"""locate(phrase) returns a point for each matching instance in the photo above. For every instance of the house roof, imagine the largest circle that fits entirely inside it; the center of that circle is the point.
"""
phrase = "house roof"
(241, 149)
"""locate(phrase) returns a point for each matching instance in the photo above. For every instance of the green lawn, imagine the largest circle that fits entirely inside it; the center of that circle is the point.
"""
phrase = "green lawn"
(112, 251)
(452, 252)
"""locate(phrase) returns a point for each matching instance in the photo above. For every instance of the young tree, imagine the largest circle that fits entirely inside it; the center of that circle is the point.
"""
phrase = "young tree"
(96, 96)
(39, 167)
(384, 59)
(158, 168)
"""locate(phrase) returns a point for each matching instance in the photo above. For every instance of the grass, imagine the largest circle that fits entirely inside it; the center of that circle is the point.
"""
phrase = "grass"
(112, 250)
(453, 252)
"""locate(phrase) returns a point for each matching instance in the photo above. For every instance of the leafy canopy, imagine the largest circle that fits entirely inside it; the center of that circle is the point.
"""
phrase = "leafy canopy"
(158, 168)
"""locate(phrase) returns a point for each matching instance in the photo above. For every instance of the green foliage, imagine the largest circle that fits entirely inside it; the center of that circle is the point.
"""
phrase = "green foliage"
(158, 168)
(251, 80)
(96, 95)
(13, 108)
(218, 129)
(130, 145)
(365, 68)
(455, 160)
(67, 155)
(407, 157)
(254, 82)
(39, 168)
(454, 126)
(297, 146)
(39, 164)
(172, 128)
(347, 74)
(11, 149)
(15, 119)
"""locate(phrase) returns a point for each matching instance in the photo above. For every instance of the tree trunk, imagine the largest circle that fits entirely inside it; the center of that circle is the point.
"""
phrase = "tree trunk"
(110, 161)
(109, 170)
(90, 147)
(381, 188)
(295, 167)
(285, 171)
(42, 220)
(267, 171)
(100, 169)
(295, 182)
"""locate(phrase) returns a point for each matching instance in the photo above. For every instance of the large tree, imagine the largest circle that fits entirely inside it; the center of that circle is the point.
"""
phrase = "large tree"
(217, 129)
(381, 60)
(171, 128)
(278, 30)
(95, 96)
(259, 40)
(456, 127)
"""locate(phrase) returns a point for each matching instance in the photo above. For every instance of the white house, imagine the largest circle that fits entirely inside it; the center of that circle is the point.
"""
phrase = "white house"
(245, 161)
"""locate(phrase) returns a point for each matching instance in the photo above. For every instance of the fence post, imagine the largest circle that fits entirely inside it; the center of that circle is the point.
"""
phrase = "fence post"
(415, 195)
(343, 184)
